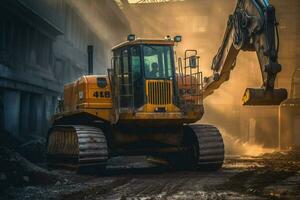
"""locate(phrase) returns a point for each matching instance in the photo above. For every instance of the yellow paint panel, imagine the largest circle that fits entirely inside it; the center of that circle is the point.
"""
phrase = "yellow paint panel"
(85, 94)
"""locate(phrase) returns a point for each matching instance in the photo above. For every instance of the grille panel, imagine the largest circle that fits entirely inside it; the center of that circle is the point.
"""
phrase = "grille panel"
(159, 92)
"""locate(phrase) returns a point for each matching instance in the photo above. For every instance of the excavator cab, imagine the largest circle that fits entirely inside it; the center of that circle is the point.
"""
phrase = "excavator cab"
(138, 67)
(144, 81)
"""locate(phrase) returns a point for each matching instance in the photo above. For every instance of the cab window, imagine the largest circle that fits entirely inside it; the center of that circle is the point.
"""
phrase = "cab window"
(157, 61)
(138, 85)
(136, 62)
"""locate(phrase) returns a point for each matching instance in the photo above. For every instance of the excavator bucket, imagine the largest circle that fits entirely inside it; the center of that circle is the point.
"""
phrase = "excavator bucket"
(259, 97)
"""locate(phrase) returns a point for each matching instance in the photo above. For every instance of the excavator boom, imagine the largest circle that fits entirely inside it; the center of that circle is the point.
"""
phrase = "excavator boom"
(252, 27)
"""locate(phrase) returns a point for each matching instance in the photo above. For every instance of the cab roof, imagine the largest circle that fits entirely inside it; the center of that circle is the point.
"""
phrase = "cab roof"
(145, 41)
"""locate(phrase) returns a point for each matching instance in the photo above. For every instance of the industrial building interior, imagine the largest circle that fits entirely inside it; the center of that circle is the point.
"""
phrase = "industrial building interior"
(43, 46)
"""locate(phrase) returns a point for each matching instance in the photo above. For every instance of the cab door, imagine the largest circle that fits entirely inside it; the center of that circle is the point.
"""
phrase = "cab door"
(137, 76)
(123, 84)
(128, 80)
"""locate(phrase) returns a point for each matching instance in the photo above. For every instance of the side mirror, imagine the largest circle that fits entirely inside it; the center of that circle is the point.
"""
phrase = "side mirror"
(193, 61)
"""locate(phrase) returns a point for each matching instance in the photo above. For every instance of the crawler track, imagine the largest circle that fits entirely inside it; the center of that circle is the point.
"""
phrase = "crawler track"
(77, 146)
(210, 145)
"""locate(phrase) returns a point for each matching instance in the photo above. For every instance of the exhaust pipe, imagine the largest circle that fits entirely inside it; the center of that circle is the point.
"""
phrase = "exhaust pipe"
(90, 51)
(261, 97)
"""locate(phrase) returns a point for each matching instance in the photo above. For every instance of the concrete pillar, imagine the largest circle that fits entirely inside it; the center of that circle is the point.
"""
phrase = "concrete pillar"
(252, 130)
(37, 114)
(289, 119)
(40, 120)
(11, 101)
(48, 113)
(24, 115)
(296, 133)
(1, 111)
(32, 114)
(54, 104)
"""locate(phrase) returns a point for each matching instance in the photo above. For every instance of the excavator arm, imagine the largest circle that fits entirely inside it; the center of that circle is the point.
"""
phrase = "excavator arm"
(252, 27)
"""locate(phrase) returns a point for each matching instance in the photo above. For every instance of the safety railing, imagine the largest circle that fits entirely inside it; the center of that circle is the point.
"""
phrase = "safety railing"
(190, 80)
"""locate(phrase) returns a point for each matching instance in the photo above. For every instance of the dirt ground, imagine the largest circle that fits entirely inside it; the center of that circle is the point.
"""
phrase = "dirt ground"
(272, 176)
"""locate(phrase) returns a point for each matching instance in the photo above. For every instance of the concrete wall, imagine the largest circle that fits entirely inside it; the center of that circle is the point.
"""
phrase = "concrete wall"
(43, 45)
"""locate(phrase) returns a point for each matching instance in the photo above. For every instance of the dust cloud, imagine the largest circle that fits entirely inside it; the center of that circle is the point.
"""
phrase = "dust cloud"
(202, 25)
(235, 146)
(101, 18)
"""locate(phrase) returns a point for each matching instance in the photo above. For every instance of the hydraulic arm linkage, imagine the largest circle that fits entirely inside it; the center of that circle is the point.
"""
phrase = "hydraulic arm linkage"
(252, 27)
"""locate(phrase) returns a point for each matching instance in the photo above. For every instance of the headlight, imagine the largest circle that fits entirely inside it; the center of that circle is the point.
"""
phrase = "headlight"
(131, 37)
(178, 38)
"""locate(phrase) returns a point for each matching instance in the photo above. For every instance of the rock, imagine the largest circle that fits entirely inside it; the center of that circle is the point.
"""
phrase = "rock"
(8, 140)
(26, 178)
(3, 177)
(66, 181)
(19, 171)
(58, 183)
(33, 150)
(12, 159)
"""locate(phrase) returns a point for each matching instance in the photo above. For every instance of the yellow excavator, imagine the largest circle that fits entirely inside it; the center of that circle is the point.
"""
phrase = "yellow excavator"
(144, 106)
